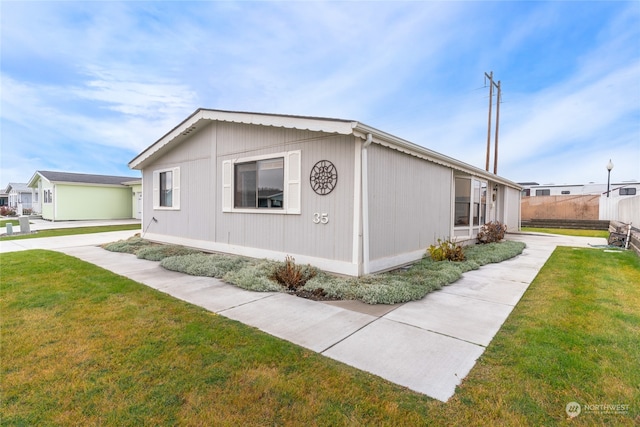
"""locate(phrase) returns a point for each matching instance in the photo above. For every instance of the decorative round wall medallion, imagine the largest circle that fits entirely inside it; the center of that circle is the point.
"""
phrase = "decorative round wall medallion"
(324, 177)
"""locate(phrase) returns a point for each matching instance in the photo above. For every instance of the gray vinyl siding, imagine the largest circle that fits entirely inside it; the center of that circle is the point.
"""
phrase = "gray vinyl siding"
(294, 234)
(409, 202)
(200, 216)
(512, 209)
(197, 179)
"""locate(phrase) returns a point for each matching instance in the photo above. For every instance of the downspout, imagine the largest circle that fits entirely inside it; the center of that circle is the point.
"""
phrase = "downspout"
(365, 205)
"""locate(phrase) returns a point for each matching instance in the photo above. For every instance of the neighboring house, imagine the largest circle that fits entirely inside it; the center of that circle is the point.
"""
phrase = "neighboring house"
(64, 196)
(334, 193)
(18, 197)
(616, 189)
(4, 199)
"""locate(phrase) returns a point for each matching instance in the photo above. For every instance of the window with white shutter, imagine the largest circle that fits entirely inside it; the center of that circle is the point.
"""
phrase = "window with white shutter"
(264, 184)
(166, 189)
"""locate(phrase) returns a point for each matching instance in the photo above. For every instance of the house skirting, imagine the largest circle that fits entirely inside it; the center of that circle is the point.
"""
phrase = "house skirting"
(330, 265)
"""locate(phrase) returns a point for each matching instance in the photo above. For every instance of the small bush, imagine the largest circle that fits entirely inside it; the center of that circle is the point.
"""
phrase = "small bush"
(130, 246)
(160, 252)
(292, 276)
(7, 211)
(446, 250)
(492, 232)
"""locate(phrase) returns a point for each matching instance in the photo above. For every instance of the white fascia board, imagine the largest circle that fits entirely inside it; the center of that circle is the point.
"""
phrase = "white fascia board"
(342, 127)
(399, 144)
(34, 179)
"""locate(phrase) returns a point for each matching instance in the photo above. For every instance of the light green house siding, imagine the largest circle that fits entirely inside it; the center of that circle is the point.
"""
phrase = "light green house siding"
(84, 202)
(136, 201)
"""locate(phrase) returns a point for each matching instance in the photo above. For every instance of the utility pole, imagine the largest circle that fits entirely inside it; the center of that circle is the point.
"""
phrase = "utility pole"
(490, 77)
(495, 156)
(491, 85)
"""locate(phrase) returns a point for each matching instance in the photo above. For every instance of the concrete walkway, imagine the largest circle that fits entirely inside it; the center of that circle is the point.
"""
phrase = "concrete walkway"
(428, 346)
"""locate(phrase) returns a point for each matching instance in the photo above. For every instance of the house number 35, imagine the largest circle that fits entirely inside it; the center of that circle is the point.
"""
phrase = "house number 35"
(320, 218)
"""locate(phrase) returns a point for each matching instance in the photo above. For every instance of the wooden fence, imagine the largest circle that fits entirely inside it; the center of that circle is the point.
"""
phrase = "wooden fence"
(560, 207)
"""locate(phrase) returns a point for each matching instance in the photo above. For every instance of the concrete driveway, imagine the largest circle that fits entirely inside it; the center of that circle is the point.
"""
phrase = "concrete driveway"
(428, 346)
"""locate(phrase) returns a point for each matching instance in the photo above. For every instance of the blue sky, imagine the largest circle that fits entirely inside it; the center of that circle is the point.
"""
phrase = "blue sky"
(86, 86)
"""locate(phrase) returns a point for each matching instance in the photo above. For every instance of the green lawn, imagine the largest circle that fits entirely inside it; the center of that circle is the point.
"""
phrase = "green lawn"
(569, 232)
(71, 231)
(83, 346)
(4, 222)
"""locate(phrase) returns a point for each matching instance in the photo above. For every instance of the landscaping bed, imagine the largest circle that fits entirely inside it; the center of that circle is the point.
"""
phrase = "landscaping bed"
(261, 275)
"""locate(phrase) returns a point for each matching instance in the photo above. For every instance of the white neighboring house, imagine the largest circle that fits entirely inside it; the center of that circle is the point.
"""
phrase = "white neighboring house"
(616, 189)
(335, 193)
(19, 197)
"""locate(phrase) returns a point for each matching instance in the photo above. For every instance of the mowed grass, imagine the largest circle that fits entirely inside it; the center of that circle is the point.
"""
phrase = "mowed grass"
(4, 222)
(83, 346)
(569, 231)
(57, 232)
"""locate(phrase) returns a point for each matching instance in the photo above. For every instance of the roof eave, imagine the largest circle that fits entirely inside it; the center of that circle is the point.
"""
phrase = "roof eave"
(34, 179)
(391, 141)
(192, 123)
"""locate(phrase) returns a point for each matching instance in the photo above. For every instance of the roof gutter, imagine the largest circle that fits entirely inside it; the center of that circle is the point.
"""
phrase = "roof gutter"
(410, 148)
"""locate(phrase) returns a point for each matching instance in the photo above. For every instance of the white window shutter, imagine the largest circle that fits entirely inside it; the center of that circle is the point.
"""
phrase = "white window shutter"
(175, 197)
(227, 178)
(292, 182)
(156, 189)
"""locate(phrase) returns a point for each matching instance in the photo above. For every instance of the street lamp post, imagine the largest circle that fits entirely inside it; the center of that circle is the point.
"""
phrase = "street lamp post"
(609, 167)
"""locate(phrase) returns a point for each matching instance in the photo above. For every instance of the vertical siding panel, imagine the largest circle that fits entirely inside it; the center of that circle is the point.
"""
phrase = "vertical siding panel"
(193, 219)
(409, 202)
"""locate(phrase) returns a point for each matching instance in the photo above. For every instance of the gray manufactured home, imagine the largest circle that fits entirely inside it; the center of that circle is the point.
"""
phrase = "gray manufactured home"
(337, 194)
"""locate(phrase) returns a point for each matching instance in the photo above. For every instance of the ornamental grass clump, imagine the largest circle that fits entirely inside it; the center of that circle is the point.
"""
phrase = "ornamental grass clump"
(293, 276)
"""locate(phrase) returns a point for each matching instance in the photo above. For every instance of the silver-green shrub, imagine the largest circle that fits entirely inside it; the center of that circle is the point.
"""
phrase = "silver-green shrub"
(160, 252)
(255, 276)
(130, 246)
(199, 264)
(398, 286)
(494, 252)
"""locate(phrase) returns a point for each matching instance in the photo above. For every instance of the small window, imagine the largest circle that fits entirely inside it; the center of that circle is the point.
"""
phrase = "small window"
(544, 192)
(46, 195)
(166, 189)
(526, 192)
(565, 192)
(627, 191)
(259, 184)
